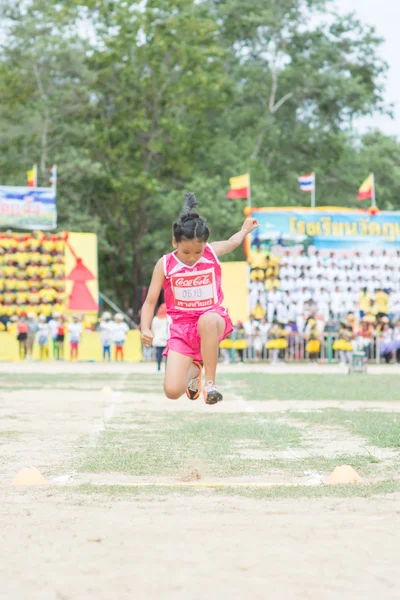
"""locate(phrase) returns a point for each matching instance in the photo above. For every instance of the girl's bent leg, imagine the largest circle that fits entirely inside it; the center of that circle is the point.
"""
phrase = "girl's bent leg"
(211, 327)
(178, 373)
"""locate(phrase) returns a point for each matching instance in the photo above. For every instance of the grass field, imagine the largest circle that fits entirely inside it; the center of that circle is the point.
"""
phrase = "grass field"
(217, 500)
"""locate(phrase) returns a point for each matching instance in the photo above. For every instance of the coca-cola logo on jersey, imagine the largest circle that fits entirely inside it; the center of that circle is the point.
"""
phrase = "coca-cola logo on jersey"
(194, 281)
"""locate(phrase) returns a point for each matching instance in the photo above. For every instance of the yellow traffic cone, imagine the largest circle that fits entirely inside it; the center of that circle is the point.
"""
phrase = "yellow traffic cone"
(343, 474)
(29, 476)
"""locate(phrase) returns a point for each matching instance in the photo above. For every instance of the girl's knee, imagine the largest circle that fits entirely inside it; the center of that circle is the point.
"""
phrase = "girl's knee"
(172, 392)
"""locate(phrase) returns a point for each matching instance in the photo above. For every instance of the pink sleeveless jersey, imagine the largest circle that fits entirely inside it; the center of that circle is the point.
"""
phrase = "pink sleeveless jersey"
(191, 291)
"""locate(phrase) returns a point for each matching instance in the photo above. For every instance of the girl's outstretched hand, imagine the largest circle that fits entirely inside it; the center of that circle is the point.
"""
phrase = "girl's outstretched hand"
(250, 224)
(147, 337)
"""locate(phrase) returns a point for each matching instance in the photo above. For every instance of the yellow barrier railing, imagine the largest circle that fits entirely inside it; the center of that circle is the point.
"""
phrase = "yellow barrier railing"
(90, 348)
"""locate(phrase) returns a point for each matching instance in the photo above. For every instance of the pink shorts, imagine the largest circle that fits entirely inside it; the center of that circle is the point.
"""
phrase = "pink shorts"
(74, 344)
(185, 339)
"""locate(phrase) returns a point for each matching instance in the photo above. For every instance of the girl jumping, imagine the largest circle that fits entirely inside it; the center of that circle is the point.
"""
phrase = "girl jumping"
(191, 278)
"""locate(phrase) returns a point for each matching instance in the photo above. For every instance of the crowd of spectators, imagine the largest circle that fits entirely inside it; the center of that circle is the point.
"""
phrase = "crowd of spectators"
(32, 274)
(51, 334)
(306, 295)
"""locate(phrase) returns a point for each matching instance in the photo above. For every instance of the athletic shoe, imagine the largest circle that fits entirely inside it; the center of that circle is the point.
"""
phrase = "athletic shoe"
(194, 388)
(211, 393)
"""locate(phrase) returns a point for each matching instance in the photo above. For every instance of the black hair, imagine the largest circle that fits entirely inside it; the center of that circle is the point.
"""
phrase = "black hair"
(190, 226)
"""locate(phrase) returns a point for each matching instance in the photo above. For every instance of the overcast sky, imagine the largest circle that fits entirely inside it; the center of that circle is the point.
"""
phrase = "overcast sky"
(385, 16)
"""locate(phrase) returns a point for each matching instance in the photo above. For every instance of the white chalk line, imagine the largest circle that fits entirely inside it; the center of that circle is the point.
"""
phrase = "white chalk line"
(97, 428)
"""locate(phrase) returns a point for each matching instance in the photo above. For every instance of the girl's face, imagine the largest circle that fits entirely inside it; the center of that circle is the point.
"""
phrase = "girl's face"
(189, 251)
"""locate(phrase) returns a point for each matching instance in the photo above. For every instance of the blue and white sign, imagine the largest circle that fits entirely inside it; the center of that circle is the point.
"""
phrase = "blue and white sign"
(28, 208)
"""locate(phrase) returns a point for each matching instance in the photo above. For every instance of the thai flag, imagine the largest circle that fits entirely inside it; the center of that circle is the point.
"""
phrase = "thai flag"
(307, 182)
(53, 175)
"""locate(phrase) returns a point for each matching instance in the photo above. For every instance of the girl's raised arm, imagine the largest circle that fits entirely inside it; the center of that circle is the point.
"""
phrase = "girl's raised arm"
(228, 245)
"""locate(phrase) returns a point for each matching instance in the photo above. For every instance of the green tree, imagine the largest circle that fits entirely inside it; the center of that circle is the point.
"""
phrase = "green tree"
(139, 102)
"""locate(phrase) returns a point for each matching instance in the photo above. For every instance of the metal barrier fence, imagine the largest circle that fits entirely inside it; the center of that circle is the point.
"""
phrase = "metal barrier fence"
(295, 351)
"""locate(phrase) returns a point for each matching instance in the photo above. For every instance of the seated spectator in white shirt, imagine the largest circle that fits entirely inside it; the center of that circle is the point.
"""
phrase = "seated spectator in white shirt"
(301, 281)
(323, 296)
(330, 259)
(370, 259)
(359, 284)
(347, 272)
(273, 299)
(371, 271)
(347, 282)
(332, 272)
(291, 271)
(394, 305)
(358, 259)
(341, 274)
(396, 260)
(287, 258)
(385, 272)
(317, 284)
(315, 258)
(348, 300)
(373, 284)
(256, 291)
(356, 272)
(302, 259)
(329, 285)
(316, 270)
(287, 284)
(292, 312)
(323, 309)
(384, 259)
(282, 313)
(284, 270)
(258, 297)
(336, 305)
(304, 295)
(345, 261)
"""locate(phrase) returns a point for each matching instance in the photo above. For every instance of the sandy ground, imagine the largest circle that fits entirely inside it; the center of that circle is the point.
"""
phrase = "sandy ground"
(196, 548)
(61, 544)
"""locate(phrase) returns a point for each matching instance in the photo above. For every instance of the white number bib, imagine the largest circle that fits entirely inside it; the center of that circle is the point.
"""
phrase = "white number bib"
(194, 291)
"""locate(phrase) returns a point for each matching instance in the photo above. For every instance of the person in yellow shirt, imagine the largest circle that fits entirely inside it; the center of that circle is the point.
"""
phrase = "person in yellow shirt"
(22, 284)
(364, 301)
(22, 295)
(12, 324)
(10, 270)
(258, 311)
(47, 292)
(9, 242)
(20, 307)
(59, 308)
(60, 246)
(44, 271)
(271, 283)
(9, 297)
(10, 284)
(9, 308)
(45, 308)
(35, 258)
(57, 269)
(258, 263)
(33, 296)
(381, 303)
(32, 271)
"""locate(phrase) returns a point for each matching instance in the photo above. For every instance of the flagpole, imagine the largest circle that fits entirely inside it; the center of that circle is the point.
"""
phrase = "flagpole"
(249, 190)
(373, 198)
(313, 192)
